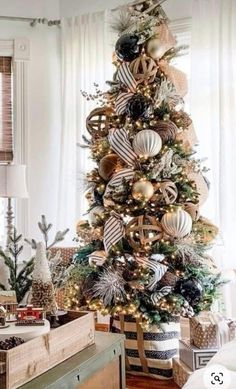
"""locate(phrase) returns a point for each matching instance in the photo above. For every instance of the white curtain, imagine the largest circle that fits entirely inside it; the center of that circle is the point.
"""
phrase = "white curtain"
(213, 102)
(86, 59)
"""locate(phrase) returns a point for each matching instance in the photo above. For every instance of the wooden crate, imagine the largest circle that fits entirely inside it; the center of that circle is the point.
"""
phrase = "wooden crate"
(29, 360)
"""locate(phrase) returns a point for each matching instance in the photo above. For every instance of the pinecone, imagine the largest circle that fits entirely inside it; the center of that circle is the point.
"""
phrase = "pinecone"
(138, 107)
(12, 342)
(187, 310)
(169, 279)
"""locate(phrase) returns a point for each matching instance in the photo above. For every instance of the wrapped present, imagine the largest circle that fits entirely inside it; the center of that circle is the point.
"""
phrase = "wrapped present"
(181, 372)
(194, 357)
(209, 330)
(232, 329)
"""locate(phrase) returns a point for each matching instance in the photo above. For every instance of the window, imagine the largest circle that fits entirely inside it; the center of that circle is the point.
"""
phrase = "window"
(6, 131)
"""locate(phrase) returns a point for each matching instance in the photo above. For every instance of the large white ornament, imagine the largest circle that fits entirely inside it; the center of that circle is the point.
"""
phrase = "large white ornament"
(95, 213)
(177, 224)
(147, 143)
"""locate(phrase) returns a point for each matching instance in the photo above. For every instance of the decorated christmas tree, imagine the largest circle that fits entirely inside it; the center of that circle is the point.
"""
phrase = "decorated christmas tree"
(143, 253)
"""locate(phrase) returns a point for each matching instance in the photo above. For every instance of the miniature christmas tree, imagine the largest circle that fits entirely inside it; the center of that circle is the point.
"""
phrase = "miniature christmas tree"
(20, 273)
(43, 295)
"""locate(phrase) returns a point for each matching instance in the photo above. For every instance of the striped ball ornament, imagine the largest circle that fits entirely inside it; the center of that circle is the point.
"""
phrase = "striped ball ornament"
(147, 143)
(177, 224)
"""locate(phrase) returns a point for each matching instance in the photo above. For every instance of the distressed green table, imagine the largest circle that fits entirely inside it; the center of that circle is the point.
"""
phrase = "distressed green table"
(100, 366)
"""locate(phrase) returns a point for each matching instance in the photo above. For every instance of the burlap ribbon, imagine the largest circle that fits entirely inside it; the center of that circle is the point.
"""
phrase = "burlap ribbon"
(178, 78)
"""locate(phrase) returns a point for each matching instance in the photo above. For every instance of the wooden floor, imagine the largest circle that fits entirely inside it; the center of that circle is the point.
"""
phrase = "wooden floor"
(135, 382)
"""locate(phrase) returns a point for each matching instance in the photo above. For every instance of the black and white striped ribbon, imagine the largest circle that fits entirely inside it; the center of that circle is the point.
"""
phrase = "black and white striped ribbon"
(156, 296)
(96, 260)
(125, 76)
(117, 180)
(120, 143)
(157, 268)
(122, 101)
(113, 231)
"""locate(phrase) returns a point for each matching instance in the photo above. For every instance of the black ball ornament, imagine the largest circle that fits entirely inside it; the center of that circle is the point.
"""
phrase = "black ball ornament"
(191, 290)
(138, 107)
(127, 47)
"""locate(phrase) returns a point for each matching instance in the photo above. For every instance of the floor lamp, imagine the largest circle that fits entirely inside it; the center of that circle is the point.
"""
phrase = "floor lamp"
(12, 185)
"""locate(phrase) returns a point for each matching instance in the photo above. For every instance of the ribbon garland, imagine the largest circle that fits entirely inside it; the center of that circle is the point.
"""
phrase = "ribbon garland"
(118, 178)
(113, 231)
(158, 269)
(120, 143)
(125, 76)
(121, 102)
(178, 78)
(155, 297)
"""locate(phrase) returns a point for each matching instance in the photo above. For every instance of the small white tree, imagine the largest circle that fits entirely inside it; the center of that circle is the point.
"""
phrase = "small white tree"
(43, 295)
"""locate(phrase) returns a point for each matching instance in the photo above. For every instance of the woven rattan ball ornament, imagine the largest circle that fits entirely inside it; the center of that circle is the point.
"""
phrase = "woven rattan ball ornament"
(166, 192)
(99, 122)
(193, 210)
(177, 224)
(108, 166)
(166, 129)
(143, 231)
(144, 70)
(142, 190)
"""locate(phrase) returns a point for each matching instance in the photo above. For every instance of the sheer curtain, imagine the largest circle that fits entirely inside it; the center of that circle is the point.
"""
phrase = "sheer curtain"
(86, 59)
(213, 101)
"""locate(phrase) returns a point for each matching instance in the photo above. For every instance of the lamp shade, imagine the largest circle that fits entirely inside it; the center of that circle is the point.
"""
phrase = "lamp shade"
(13, 181)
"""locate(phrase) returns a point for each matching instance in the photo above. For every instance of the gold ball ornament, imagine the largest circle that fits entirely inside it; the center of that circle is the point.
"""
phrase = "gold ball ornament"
(142, 190)
(200, 186)
(143, 231)
(108, 166)
(177, 224)
(99, 122)
(96, 214)
(155, 49)
(144, 69)
(193, 210)
(147, 143)
(166, 192)
(97, 258)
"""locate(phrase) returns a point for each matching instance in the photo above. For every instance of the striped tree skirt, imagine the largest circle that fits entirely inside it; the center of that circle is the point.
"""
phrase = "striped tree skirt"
(149, 353)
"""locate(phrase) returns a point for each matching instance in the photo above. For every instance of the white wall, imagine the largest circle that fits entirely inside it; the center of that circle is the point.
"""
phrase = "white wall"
(175, 9)
(30, 8)
(44, 121)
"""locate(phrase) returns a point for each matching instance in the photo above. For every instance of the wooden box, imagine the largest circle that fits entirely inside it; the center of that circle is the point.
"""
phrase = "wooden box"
(31, 359)
(194, 357)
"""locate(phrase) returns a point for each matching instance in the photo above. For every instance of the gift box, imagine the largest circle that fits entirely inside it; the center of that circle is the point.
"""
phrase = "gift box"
(209, 330)
(194, 357)
(181, 372)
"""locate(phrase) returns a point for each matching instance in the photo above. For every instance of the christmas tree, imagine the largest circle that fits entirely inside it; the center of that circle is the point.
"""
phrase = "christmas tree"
(43, 295)
(144, 251)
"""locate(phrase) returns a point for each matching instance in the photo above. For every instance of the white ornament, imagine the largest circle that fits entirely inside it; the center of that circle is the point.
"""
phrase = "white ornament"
(147, 143)
(177, 224)
(95, 213)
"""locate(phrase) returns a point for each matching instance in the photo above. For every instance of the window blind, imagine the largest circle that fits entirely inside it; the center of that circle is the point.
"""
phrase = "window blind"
(6, 122)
